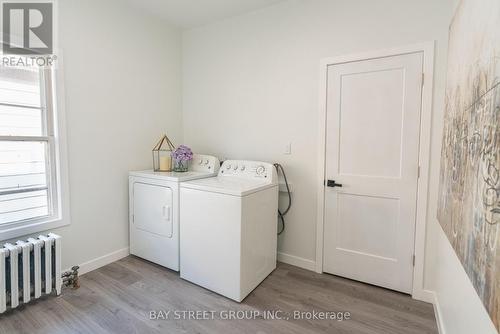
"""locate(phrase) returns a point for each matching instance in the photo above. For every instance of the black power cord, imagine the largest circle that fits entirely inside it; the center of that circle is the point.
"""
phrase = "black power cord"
(279, 169)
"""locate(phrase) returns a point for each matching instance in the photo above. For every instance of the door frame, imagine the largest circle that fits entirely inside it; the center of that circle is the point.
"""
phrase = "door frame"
(427, 48)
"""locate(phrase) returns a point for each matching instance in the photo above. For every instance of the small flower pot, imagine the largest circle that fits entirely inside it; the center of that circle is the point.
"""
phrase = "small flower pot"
(181, 165)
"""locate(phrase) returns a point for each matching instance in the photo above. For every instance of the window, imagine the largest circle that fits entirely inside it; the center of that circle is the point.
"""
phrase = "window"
(29, 170)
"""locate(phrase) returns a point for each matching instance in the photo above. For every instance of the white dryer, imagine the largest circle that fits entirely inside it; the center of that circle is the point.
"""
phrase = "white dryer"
(154, 210)
(229, 228)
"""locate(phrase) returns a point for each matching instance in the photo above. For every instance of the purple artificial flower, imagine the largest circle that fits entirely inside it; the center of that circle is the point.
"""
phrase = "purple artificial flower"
(182, 153)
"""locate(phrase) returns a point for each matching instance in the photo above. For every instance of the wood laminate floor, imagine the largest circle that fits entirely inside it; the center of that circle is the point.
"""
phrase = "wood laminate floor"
(118, 298)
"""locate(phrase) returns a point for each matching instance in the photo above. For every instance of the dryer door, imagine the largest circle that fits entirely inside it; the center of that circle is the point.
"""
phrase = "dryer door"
(153, 209)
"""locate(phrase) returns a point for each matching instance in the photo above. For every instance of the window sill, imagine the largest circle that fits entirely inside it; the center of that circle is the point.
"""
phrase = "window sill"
(30, 227)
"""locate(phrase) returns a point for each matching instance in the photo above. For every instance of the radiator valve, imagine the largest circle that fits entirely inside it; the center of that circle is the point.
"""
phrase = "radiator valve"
(70, 278)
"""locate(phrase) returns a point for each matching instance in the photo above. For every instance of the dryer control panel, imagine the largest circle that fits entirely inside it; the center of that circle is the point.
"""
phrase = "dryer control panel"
(249, 169)
(204, 163)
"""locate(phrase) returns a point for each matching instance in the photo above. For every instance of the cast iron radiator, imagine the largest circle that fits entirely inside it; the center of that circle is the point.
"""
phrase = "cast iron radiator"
(29, 269)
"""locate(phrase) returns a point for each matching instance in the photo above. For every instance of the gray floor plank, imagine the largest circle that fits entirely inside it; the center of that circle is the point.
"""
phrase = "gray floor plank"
(117, 298)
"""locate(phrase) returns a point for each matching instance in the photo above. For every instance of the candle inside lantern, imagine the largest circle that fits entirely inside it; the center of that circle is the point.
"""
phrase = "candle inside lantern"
(165, 163)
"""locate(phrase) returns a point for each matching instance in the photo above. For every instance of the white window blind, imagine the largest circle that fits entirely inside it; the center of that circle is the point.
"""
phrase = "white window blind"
(27, 160)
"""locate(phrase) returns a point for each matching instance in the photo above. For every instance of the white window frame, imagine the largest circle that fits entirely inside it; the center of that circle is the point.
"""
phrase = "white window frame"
(57, 168)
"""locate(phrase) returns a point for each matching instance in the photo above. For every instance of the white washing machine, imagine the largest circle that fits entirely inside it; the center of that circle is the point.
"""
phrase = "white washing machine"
(229, 228)
(154, 210)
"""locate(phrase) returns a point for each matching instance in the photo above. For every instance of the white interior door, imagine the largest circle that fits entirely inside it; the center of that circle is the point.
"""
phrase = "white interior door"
(372, 144)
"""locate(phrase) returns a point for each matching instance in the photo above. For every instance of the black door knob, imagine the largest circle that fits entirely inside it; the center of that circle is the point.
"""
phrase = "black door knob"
(332, 183)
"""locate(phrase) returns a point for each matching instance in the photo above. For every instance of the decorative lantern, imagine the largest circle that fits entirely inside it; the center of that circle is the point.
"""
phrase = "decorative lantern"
(162, 155)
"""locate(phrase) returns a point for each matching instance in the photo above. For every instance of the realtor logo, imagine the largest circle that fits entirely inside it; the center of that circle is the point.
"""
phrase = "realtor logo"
(27, 28)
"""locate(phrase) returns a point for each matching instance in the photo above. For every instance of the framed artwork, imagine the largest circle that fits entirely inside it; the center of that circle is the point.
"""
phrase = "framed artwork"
(469, 190)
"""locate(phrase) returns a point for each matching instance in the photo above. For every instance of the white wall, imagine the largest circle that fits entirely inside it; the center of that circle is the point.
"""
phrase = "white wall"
(250, 84)
(122, 91)
(460, 309)
(122, 82)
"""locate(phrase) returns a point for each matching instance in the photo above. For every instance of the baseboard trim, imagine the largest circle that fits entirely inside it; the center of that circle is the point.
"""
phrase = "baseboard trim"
(430, 296)
(437, 312)
(297, 261)
(424, 295)
(101, 261)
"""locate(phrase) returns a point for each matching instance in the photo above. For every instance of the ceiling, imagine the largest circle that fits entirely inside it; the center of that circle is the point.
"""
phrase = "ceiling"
(187, 14)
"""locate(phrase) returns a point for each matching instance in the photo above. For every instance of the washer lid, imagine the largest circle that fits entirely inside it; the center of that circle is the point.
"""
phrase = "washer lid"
(228, 185)
(172, 176)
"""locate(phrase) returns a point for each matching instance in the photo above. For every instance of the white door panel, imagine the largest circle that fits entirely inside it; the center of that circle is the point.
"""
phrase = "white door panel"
(364, 149)
(355, 235)
(373, 123)
(153, 209)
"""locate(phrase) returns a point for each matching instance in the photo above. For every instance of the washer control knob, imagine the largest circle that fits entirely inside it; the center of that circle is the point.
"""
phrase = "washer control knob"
(235, 167)
(201, 161)
(206, 162)
(228, 167)
(260, 170)
(242, 168)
